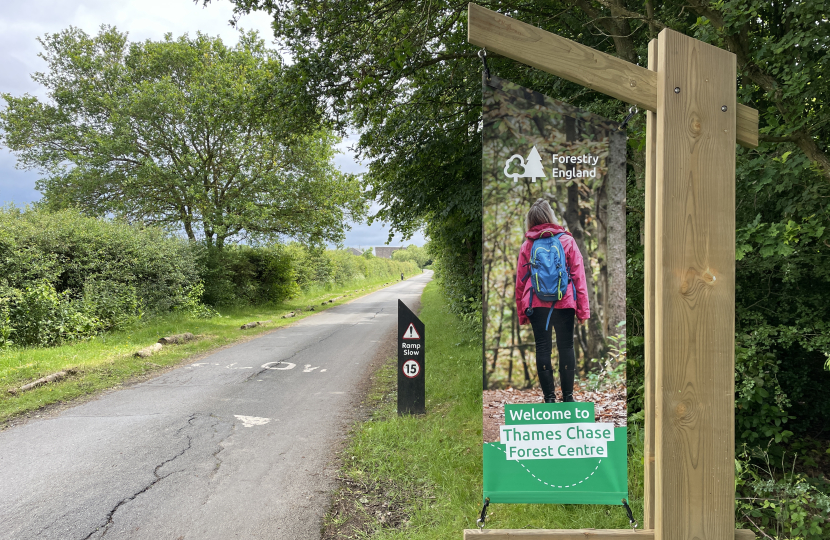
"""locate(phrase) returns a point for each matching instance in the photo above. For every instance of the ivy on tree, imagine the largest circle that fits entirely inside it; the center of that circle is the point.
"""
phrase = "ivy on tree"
(185, 132)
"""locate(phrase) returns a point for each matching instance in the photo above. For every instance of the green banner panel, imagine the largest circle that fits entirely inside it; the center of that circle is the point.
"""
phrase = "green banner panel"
(596, 480)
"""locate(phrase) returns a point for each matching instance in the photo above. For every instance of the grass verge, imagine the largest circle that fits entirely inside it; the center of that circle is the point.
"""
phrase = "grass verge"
(420, 477)
(107, 360)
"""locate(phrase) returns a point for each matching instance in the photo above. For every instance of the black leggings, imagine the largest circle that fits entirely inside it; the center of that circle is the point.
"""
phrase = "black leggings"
(562, 322)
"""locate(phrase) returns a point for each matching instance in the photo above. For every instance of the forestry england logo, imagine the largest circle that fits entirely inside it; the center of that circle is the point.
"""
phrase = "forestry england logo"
(531, 169)
(566, 167)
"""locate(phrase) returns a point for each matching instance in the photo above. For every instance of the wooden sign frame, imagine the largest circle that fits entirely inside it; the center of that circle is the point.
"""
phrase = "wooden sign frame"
(692, 126)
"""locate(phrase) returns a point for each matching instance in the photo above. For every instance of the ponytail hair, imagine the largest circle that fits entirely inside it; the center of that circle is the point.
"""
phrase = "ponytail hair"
(539, 213)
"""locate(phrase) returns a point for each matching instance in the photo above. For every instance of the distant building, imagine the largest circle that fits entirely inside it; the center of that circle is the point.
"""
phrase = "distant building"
(354, 251)
(386, 251)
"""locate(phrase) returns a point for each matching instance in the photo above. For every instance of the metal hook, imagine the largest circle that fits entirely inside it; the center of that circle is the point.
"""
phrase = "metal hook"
(483, 55)
(631, 112)
(480, 520)
(631, 519)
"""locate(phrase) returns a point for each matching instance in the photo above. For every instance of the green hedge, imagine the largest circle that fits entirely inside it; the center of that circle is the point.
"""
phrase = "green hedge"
(64, 275)
(241, 275)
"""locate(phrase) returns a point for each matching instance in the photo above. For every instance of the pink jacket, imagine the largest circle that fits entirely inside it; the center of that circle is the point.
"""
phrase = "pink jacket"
(574, 259)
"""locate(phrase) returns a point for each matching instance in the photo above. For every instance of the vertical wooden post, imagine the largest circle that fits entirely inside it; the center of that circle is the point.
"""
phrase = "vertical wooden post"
(694, 290)
(651, 187)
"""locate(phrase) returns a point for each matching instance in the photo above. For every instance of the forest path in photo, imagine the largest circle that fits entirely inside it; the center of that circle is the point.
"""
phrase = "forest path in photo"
(240, 443)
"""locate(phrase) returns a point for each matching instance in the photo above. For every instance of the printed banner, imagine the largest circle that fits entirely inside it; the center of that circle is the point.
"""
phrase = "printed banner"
(554, 235)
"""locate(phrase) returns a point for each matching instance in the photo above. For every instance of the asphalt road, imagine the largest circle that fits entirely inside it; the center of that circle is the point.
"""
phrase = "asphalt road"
(236, 445)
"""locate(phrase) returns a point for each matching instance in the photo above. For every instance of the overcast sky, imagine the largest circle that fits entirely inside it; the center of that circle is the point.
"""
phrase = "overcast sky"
(21, 22)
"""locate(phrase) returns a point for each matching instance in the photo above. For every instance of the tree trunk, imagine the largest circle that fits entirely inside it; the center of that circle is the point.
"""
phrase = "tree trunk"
(615, 252)
(601, 229)
(596, 341)
(485, 317)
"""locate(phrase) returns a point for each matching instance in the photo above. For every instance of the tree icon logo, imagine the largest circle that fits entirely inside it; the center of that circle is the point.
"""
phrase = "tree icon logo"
(531, 169)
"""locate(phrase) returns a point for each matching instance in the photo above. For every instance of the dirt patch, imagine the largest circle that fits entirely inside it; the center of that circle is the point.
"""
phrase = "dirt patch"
(360, 508)
(609, 406)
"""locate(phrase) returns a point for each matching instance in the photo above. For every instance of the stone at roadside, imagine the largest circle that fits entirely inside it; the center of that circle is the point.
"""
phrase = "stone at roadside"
(148, 351)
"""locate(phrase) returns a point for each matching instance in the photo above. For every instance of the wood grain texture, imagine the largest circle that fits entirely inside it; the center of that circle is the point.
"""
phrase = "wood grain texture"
(580, 64)
(649, 271)
(562, 57)
(747, 123)
(576, 534)
(694, 291)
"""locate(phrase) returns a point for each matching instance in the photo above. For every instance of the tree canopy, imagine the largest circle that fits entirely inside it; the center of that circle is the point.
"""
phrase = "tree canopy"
(187, 132)
(418, 255)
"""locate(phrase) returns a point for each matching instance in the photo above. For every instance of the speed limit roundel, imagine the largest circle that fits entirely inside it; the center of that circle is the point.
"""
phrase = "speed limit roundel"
(411, 368)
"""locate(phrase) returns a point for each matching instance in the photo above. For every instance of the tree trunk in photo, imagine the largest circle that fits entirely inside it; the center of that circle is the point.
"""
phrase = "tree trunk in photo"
(501, 326)
(615, 254)
(512, 341)
(484, 319)
(602, 255)
(596, 341)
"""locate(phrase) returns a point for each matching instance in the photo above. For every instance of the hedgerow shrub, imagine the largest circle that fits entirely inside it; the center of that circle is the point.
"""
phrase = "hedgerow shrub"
(64, 276)
(239, 275)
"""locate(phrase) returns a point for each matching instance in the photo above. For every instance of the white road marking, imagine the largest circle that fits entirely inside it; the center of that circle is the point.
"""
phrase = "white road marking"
(230, 366)
(274, 365)
(309, 369)
(199, 364)
(251, 421)
(322, 370)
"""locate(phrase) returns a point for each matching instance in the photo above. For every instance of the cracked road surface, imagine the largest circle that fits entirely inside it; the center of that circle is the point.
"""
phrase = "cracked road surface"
(238, 444)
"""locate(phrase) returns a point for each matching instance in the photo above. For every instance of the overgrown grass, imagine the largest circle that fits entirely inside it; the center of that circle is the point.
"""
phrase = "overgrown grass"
(428, 468)
(107, 360)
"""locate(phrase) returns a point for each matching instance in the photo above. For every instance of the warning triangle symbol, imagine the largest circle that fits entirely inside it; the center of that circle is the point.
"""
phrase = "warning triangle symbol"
(411, 333)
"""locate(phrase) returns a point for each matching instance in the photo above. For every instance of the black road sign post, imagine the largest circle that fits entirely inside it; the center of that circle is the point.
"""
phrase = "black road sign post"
(411, 355)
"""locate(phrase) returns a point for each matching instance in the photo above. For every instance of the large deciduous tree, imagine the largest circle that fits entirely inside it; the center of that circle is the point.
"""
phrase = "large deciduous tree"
(186, 132)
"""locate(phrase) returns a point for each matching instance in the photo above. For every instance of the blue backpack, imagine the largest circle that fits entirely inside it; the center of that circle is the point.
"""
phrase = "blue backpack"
(548, 273)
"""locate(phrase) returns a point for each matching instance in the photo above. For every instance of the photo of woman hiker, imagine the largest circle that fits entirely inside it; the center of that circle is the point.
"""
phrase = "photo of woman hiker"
(553, 200)
(551, 292)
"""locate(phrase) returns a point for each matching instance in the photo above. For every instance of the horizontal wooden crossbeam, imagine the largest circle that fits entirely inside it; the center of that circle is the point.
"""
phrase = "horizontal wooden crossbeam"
(580, 64)
(574, 534)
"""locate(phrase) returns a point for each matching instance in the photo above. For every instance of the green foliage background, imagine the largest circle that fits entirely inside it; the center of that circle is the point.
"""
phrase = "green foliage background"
(185, 132)
(65, 276)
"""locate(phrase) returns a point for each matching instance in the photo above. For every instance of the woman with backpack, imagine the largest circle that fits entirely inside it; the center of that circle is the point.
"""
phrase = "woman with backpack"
(550, 292)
